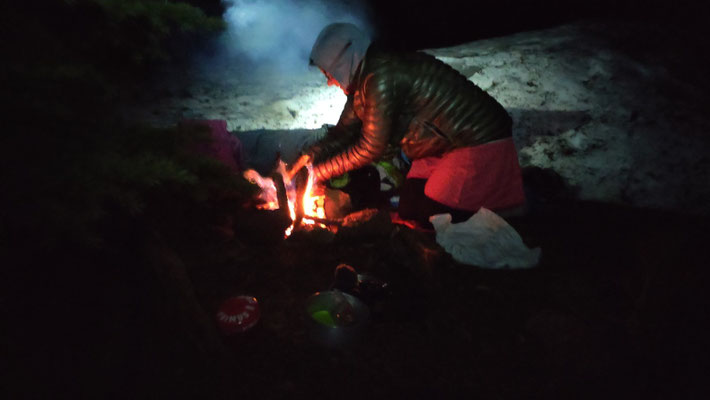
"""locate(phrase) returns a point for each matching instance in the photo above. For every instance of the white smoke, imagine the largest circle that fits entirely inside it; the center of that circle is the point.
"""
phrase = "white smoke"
(277, 35)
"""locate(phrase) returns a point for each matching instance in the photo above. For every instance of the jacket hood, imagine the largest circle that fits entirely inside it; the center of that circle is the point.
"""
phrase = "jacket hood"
(339, 49)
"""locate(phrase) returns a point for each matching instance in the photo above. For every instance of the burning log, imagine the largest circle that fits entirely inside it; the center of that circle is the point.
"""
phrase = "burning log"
(261, 226)
(300, 180)
(297, 167)
(326, 221)
(281, 194)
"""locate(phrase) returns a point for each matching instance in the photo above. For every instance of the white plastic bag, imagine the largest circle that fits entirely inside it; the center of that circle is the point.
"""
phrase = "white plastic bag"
(484, 240)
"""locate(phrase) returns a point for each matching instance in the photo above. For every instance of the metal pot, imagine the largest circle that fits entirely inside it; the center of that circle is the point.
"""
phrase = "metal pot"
(336, 318)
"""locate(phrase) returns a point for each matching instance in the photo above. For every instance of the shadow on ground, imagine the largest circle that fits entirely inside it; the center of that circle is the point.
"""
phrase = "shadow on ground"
(616, 308)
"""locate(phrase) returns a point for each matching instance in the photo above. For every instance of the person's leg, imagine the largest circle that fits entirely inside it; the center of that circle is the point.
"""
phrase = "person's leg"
(364, 188)
(479, 176)
(411, 194)
(416, 206)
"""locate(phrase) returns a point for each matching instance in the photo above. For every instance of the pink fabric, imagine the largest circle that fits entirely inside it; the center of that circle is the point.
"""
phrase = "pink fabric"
(422, 168)
(473, 177)
(224, 146)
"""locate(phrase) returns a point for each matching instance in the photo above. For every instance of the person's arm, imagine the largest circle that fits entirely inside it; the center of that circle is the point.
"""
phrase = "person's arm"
(374, 134)
(337, 137)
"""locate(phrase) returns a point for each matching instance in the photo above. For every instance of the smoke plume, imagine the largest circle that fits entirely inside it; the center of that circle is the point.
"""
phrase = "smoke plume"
(277, 35)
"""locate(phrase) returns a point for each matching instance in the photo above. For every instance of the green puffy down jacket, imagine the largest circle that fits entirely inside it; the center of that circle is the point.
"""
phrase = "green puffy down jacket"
(412, 101)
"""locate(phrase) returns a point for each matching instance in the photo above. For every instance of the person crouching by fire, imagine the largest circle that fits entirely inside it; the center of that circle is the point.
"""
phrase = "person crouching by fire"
(458, 138)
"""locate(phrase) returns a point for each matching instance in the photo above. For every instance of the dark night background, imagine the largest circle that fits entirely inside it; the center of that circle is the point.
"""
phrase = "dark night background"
(111, 268)
(448, 22)
(426, 24)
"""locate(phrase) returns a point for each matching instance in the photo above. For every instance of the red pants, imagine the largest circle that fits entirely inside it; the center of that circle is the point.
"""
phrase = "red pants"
(473, 177)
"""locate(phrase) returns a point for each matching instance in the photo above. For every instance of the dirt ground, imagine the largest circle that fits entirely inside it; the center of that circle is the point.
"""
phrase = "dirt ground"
(616, 308)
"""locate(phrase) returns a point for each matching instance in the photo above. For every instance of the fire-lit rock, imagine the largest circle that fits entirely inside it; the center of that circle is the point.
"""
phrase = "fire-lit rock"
(365, 223)
(359, 218)
(261, 226)
(312, 234)
(418, 251)
(337, 204)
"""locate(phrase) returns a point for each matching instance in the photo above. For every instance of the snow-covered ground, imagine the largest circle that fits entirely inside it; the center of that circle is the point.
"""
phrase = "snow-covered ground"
(247, 102)
(621, 118)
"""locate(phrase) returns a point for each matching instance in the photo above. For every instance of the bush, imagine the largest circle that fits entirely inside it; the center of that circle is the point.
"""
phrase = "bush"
(68, 161)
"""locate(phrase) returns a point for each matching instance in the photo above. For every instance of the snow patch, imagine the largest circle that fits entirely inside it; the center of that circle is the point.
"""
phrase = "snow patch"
(619, 127)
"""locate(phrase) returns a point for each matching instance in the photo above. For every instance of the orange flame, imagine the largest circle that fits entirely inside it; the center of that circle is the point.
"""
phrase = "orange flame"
(313, 200)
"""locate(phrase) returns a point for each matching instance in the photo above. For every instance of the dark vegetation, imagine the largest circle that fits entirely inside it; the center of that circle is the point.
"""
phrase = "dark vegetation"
(114, 257)
(88, 197)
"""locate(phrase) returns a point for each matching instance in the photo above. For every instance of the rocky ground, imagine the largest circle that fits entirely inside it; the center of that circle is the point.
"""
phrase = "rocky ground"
(617, 111)
(617, 308)
(613, 310)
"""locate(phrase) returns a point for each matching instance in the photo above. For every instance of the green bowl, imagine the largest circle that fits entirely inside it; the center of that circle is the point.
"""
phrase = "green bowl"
(336, 318)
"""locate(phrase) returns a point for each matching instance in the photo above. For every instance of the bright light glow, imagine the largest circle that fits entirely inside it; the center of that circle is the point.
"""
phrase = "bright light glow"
(314, 105)
(265, 50)
(281, 33)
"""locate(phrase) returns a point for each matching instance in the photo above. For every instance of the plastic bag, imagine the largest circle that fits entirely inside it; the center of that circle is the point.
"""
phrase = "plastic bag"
(484, 240)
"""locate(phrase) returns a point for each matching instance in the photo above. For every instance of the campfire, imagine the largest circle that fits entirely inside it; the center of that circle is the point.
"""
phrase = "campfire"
(298, 192)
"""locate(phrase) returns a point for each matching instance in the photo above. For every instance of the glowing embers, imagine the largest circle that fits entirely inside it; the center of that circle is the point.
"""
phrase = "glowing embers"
(306, 212)
(313, 200)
